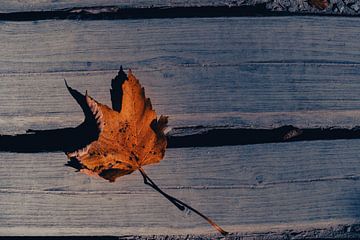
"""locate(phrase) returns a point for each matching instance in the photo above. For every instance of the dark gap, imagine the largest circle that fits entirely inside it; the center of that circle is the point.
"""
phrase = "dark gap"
(66, 237)
(70, 139)
(113, 13)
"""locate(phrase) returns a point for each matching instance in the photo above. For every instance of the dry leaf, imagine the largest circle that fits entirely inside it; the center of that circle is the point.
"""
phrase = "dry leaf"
(128, 136)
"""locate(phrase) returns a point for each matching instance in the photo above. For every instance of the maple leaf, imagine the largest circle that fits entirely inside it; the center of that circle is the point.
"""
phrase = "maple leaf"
(128, 136)
(128, 139)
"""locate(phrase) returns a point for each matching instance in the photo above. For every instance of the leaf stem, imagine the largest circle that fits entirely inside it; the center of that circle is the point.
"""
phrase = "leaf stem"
(180, 204)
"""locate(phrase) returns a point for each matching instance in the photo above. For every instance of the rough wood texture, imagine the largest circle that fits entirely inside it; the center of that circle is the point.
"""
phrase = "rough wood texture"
(205, 71)
(248, 72)
(245, 188)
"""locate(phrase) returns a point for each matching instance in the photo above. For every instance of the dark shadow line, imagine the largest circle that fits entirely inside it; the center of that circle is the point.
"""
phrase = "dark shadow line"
(338, 233)
(114, 13)
(65, 140)
(245, 136)
(67, 237)
(71, 139)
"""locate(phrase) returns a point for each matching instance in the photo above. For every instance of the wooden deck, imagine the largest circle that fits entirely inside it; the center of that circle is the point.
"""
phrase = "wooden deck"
(228, 72)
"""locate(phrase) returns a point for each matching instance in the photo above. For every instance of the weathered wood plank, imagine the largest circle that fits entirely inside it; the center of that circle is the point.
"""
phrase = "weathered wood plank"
(242, 187)
(194, 103)
(161, 44)
(238, 72)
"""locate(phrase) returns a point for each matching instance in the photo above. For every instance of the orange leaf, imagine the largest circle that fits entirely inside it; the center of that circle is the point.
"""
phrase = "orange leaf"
(128, 138)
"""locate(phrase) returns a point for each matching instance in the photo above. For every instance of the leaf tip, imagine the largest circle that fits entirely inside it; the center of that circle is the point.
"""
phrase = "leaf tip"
(130, 73)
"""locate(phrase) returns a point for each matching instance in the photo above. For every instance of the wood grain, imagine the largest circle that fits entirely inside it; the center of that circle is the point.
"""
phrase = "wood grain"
(204, 71)
(242, 187)
(245, 72)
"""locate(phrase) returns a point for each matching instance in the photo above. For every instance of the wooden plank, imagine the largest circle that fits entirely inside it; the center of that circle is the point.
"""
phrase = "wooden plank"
(204, 43)
(245, 188)
(228, 71)
(21, 109)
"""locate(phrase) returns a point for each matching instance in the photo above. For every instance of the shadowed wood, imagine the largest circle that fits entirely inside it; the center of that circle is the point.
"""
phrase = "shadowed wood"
(114, 9)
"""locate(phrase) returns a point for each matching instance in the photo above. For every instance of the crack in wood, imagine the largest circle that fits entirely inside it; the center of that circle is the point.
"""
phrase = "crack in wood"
(68, 139)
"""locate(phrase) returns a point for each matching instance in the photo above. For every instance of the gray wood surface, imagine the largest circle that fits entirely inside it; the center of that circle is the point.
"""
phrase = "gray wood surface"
(252, 72)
